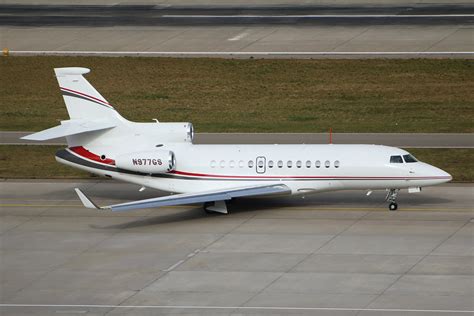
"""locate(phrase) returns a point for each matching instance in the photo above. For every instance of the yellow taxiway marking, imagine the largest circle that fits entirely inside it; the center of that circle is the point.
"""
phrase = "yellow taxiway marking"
(383, 208)
(36, 205)
(62, 205)
(280, 209)
(35, 200)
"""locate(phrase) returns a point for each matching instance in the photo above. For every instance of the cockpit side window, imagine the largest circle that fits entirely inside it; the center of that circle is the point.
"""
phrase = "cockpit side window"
(409, 158)
(396, 159)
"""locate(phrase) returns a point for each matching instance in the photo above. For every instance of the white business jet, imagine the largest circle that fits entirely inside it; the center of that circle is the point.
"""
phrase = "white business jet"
(162, 156)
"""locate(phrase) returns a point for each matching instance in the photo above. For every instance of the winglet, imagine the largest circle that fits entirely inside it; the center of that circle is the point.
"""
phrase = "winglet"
(85, 200)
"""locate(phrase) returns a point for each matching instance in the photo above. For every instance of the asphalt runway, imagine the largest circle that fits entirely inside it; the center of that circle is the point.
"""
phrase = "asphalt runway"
(212, 15)
(240, 31)
(328, 254)
(406, 140)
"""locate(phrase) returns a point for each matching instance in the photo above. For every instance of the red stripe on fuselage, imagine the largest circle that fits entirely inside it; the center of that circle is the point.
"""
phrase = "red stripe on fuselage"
(81, 151)
(88, 96)
(191, 174)
(84, 153)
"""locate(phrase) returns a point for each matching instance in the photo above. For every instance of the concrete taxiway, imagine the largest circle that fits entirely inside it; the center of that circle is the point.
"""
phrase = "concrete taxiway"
(235, 30)
(328, 254)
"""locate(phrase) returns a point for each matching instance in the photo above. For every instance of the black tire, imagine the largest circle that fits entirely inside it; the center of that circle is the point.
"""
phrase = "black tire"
(206, 205)
(393, 206)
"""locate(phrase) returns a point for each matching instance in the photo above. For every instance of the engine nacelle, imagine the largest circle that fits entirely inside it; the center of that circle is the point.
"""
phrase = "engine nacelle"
(156, 161)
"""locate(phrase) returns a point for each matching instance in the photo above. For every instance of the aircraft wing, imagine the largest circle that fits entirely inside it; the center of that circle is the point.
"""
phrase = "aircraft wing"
(190, 198)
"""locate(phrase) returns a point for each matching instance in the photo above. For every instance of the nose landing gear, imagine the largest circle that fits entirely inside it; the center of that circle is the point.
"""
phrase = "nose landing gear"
(391, 197)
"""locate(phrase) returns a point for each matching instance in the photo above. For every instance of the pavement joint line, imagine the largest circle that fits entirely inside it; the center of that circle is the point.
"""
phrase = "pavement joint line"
(420, 260)
(283, 308)
(305, 257)
(53, 268)
(76, 255)
(36, 205)
(443, 38)
(173, 36)
(90, 184)
(407, 272)
(165, 272)
(7, 231)
(309, 208)
(262, 37)
(72, 205)
(263, 53)
(447, 238)
(363, 31)
(238, 16)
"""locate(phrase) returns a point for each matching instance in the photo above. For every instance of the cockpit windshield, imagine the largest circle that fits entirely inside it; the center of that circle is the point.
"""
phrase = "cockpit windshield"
(396, 159)
(406, 158)
(409, 158)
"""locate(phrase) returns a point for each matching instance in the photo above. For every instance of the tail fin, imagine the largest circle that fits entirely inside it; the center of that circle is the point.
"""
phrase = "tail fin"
(82, 100)
(88, 110)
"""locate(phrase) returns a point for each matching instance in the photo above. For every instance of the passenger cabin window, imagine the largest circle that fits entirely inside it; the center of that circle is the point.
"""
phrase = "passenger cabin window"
(270, 164)
(289, 163)
(232, 164)
(213, 164)
(280, 164)
(396, 159)
(298, 164)
(241, 163)
(308, 163)
(222, 163)
(327, 164)
(318, 164)
(409, 158)
(337, 164)
(250, 163)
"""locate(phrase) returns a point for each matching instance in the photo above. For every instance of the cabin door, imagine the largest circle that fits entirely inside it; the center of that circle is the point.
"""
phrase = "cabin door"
(261, 164)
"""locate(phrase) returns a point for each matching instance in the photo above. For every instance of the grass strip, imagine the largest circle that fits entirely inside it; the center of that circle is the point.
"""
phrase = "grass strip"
(265, 95)
(35, 162)
(31, 162)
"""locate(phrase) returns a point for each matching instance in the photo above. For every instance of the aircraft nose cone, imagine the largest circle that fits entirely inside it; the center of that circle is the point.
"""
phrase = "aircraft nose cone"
(448, 176)
(442, 175)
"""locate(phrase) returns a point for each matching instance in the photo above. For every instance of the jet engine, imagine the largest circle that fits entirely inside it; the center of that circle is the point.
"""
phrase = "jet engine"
(157, 161)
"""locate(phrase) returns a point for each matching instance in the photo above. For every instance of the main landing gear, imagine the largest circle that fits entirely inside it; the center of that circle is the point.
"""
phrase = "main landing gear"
(391, 197)
(215, 207)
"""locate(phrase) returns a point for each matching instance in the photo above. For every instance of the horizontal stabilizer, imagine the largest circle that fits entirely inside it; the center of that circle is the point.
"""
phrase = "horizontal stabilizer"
(68, 128)
(71, 71)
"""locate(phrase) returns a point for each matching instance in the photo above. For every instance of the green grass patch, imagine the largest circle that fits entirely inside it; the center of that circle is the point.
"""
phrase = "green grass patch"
(35, 162)
(459, 162)
(222, 95)
(23, 161)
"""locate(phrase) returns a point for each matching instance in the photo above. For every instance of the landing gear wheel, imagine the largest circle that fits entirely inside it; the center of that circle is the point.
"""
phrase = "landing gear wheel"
(391, 198)
(206, 205)
(215, 207)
